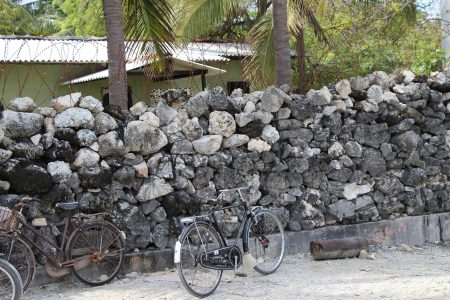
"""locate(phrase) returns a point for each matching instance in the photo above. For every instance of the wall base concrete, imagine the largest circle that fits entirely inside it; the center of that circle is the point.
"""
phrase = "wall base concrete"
(412, 231)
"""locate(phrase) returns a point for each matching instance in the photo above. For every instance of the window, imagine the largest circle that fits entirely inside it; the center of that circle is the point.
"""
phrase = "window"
(232, 85)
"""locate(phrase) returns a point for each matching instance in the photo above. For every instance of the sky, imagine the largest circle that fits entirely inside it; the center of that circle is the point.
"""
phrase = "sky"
(430, 6)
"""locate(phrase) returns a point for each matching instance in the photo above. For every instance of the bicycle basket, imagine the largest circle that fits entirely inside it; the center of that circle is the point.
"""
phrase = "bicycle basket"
(8, 220)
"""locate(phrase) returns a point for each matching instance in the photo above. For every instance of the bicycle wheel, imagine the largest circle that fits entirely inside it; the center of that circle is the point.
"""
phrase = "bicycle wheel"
(22, 258)
(265, 237)
(10, 282)
(98, 252)
(196, 239)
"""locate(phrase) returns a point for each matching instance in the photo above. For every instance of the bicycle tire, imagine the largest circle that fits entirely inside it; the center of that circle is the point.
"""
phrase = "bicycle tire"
(191, 235)
(266, 241)
(11, 287)
(88, 243)
(22, 258)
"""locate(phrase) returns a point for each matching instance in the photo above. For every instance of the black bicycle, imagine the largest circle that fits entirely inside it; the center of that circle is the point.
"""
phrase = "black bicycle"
(202, 252)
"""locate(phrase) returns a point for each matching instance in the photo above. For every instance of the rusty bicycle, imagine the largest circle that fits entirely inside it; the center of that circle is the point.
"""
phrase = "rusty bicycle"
(94, 250)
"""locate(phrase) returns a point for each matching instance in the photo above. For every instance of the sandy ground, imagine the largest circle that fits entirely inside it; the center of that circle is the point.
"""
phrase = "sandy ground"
(396, 273)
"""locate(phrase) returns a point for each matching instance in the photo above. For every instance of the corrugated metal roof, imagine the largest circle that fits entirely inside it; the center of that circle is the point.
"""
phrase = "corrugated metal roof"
(17, 49)
(139, 64)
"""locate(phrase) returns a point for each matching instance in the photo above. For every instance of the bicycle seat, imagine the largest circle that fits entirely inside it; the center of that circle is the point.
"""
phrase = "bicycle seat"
(68, 205)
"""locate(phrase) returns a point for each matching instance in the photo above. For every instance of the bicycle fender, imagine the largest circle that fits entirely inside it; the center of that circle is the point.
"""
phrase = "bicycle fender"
(254, 211)
(177, 253)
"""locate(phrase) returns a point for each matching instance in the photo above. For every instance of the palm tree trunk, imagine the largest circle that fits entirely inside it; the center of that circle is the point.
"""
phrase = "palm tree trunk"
(281, 40)
(301, 55)
(112, 10)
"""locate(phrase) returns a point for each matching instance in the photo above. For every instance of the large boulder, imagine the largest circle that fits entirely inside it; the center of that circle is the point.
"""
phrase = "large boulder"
(343, 209)
(253, 129)
(372, 135)
(92, 104)
(353, 190)
(86, 158)
(218, 99)
(60, 150)
(86, 137)
(197, 105)
(59, 170)
(272, 99)
(306, 215)
(221, 123)
(25, 104)
(373, 162)
(414, 177)
(208, 144)
(64, 102)
(343, 88)
(235, 140)
(150, 118)
(25, 177)
(165, 113)
(103, 123)
(138, 109)
(110, 144)
(258, 145)
(21, 125)
(407, 141)
(143, 138)
(75, 117)
(152, 188)
(320, 97)
(93, 178)
(192, 129)
(270, 134)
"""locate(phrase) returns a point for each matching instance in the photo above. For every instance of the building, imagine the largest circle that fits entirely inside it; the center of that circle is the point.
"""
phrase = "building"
(44, 68)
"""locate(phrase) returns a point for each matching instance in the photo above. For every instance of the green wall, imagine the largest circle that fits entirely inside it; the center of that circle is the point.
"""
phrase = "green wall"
(41, 81)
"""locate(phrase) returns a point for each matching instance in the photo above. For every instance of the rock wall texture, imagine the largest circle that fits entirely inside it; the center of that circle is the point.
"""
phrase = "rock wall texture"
(364, 149)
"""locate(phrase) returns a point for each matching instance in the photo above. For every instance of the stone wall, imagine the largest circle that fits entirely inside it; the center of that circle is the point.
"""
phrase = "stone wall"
(364, 149)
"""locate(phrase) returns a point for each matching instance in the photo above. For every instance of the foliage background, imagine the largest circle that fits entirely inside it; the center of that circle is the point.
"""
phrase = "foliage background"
(363, 36)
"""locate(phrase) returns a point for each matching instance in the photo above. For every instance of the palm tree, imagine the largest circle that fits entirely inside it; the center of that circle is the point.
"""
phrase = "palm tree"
(281, 43)
(261, 65)
(117, 80)
(195, 21)
(145, 21)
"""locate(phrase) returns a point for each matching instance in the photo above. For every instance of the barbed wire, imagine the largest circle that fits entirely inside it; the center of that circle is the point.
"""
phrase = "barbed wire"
(46, 67)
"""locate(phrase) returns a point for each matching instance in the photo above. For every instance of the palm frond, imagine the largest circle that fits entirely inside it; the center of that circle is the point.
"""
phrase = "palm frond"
(197, 17)
(149, 21)
(301, 12)
(260, 67)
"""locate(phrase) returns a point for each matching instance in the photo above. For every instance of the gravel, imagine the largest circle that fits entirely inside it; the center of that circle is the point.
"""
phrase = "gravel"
(418, 273)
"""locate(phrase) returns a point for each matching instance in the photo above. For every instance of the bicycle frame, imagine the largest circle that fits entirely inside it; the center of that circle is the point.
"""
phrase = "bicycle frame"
(59, 249)
(249, 214)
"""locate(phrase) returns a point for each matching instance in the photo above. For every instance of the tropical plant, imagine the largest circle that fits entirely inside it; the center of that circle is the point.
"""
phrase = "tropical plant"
(26, 20)
(89, 23)
(373, 35)
(254, 19)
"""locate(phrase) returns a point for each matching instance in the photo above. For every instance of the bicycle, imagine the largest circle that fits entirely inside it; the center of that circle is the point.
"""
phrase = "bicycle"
(202, 252)
(94, 251)
(11, 287)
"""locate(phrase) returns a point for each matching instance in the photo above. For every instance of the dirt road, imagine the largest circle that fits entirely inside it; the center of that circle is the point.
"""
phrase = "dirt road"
(400, 273)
